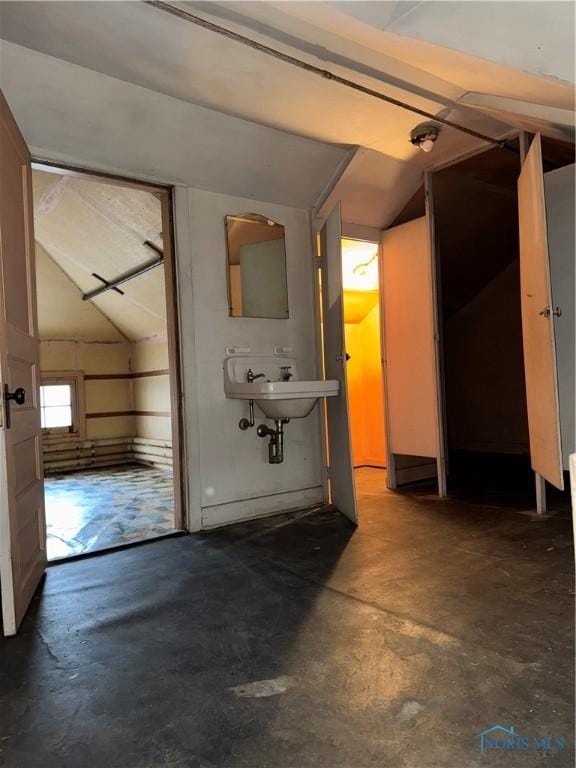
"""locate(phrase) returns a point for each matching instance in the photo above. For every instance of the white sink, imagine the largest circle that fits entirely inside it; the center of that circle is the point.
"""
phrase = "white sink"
(277, 399)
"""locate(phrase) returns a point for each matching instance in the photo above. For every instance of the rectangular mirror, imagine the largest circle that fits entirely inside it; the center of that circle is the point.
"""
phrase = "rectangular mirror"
(257, 283)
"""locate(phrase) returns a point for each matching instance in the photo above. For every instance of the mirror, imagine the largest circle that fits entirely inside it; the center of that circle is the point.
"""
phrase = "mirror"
(257, 284)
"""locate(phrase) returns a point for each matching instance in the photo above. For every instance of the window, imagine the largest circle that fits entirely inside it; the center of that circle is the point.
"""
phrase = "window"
(57, 406)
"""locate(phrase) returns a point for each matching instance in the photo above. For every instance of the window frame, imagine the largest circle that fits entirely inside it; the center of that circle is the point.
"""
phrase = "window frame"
(74, 379)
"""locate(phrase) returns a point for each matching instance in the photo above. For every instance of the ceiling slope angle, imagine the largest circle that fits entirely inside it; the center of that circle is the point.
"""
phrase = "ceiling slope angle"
(201, 67)
(520, 56)
(396, 49)
(89, 228)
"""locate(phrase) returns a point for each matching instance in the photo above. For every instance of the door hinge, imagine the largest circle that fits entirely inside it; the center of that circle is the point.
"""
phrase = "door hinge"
(327, 473)
(547, 311)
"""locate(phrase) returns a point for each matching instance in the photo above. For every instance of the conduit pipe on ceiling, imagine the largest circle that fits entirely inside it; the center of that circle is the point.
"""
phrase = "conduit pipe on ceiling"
(324, 73)
(112, 285)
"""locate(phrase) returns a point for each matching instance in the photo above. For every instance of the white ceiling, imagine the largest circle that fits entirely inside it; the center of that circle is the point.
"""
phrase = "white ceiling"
(61, 312)
(85, 226)
(142, 45)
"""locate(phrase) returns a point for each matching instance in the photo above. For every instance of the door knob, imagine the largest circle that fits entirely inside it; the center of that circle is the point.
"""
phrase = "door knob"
(19, 397)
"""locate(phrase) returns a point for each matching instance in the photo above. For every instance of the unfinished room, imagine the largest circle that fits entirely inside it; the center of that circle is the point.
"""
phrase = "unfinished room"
(288, 375)
(105, 399)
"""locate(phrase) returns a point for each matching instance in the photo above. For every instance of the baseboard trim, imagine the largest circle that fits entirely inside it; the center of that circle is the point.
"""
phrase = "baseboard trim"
(263, 506)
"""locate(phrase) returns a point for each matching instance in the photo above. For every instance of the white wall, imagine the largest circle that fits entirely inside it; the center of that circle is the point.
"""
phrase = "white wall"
(61, 312)
(560, 206)
(84, 117)
(372, 189)
(236, 479)
(71, 114)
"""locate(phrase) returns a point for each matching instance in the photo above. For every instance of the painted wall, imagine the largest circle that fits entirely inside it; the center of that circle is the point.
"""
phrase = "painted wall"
(477, 247)
(560, 206)
(365, 390)
(85, 117)
(101, 395)
(76, 336)
(486, 405)
(151, 392)
(65, 113)
(130, 378)
(236, 479)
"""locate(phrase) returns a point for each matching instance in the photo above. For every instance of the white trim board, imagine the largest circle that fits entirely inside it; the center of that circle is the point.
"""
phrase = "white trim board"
(262, 506)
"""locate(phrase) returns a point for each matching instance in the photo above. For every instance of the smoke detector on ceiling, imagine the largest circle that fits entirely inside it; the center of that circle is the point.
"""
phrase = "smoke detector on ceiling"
(424, 136)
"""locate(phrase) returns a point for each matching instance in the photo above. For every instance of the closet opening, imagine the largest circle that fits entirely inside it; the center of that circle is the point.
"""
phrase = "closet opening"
(478, 272)
(361, 297)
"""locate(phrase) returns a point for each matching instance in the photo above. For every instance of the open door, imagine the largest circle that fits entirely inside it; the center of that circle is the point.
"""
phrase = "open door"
(538, 315)
(411, 355)
(22, 525)
(342, 491)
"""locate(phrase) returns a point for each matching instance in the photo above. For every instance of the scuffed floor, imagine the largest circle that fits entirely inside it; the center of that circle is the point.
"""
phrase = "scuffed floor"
(89, 511)
(301, 642)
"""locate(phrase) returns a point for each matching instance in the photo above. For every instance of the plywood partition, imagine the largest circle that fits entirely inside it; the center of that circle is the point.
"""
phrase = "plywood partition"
(410, 352)
(538, 322)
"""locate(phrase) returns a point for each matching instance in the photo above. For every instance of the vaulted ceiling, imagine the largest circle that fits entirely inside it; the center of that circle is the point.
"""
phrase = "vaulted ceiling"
(88, 227)
(436, 56)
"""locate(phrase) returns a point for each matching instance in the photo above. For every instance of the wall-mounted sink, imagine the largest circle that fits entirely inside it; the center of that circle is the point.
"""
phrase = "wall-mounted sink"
(277, 398)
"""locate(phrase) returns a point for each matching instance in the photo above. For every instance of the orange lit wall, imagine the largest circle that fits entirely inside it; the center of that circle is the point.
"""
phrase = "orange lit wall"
(365, 390)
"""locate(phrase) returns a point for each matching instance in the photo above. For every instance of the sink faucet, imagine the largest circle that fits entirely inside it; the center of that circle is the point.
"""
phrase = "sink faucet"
(286, 374)
(250, 376)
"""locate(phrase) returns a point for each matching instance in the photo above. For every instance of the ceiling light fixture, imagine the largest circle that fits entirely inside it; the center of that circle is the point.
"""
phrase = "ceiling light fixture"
(424, 136)
(362, 269)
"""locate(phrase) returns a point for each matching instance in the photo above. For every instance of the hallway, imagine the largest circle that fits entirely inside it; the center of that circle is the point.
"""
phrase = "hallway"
(299, 637)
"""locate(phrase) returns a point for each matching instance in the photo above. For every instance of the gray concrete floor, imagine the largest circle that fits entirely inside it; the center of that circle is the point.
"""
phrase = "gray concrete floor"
(301, 642)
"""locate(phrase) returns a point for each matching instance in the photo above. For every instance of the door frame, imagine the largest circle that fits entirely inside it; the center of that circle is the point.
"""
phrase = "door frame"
(362, 235)
(184, 517)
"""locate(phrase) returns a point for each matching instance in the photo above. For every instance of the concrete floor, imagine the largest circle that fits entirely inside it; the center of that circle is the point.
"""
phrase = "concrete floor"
(103, 508)
(300, 642)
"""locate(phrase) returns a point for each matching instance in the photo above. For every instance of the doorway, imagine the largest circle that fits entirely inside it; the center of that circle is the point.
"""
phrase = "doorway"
(478, 267)
(361, 299)
(478, 262)
(109, 375)
(457, 335)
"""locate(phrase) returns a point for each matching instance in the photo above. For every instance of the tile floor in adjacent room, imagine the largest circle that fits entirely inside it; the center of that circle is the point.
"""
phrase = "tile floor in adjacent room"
(93, 510)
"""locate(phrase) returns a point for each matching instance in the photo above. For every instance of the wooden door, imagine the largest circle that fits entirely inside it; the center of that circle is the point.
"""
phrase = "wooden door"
(410, 352)
(342, 490)
(22, 525)
(538, 322)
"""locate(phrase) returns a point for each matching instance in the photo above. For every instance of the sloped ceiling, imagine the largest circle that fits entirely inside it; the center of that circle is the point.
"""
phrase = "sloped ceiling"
(418, 52)
(472, 62)
(85, 226)
(61, 312)
(139, 44)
